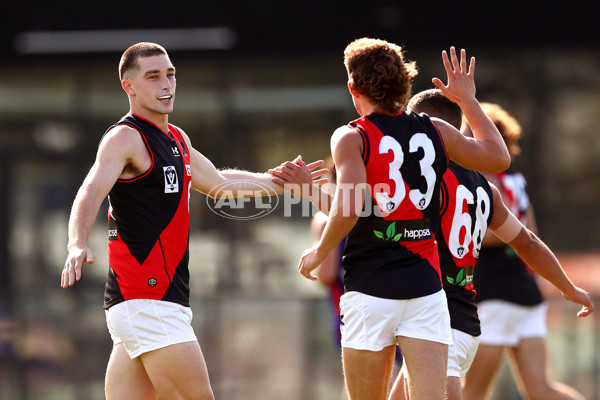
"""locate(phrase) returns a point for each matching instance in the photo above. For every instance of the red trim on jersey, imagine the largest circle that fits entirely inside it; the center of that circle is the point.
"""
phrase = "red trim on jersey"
(149, 150)
(157, 127)
(428, 250)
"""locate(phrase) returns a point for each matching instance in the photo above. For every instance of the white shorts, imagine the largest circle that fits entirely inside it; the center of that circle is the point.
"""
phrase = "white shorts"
(505, 324)
(372, 323)
(143, 325)
(460, 356)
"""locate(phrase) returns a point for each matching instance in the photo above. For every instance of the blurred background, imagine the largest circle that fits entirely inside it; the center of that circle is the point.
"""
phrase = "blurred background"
(260, 82)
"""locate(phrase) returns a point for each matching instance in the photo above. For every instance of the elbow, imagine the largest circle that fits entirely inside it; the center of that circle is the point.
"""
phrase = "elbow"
(501, 163)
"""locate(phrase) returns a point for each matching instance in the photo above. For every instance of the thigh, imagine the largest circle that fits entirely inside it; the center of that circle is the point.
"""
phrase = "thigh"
(367, 373)
(126, 379)
(178, 372)
(426, 363)
(400, 388)
(528, 361)
(483, 371)
(453, 388)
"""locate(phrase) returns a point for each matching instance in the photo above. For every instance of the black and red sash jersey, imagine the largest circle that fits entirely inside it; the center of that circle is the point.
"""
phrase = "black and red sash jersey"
(467, 210)
(149, 223)
(391, 252)
(501, 274)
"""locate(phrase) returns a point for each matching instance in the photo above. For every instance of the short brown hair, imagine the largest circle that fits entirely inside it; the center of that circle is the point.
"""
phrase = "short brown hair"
(376, 69)
(509, 127)
(130, 56)
(433, 103)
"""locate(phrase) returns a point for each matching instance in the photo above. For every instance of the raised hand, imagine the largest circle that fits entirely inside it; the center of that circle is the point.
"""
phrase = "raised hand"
(461, 82)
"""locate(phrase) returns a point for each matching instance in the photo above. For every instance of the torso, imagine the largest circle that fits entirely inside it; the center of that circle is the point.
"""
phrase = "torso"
(149, 219)
(467, 210)
(391, 251)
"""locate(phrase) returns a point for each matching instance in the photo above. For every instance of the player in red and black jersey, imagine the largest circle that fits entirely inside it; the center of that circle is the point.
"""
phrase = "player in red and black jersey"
(469, 206)
(147, 167)
(392, 161)
(511, 307)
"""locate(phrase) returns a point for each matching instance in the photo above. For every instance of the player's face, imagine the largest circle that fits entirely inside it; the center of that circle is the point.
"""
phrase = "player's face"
(153, 85)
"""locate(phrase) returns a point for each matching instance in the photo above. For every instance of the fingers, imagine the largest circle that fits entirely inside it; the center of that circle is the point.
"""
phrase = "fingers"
(463, 60)
(584, 312)
(454, 59)
(315, 164)
(439, 84)
(471, 67)
(304, 266)
(71, 272)
(447, 64)
(320, 182)
(319, 173)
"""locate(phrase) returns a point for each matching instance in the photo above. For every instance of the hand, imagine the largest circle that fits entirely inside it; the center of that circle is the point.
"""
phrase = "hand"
(310, 260)
(461, 82)
(582, 297)
(72, 269)
(298, 173)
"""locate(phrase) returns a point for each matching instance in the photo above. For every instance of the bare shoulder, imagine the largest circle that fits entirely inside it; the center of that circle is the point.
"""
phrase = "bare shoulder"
(124, 148)
(122, 138)
(346, 136)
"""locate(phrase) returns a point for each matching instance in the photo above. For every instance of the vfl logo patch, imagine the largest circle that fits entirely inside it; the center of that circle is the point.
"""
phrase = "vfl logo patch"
(171, 182)
(113, 231)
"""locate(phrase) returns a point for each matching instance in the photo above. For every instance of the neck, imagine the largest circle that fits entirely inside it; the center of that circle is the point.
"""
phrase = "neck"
(160, 120)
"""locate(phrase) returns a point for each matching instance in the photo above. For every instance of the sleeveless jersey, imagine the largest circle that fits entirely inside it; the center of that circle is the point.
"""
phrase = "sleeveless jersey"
(501, 274)
(467, 210)
(391, 252)
(148, 219)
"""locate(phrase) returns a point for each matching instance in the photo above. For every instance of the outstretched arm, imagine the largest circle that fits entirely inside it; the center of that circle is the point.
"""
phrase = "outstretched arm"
(113, 155)
(536, 254)
(487, 151)
(213, 182)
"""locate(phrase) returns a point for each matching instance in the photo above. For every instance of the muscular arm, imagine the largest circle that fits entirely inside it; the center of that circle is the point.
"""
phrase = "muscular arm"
(120, 151)
(346, 149)
(207, 179)
(535, 253)
(487, 151)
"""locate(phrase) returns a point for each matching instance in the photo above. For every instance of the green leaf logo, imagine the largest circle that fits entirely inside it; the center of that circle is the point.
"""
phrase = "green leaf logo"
(450, 280)
(391, 231)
